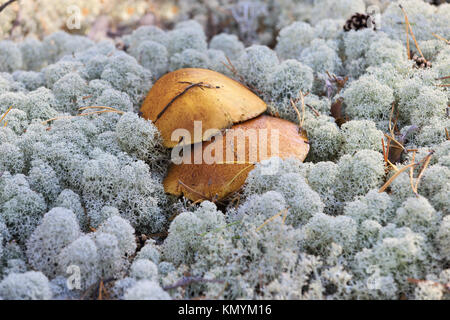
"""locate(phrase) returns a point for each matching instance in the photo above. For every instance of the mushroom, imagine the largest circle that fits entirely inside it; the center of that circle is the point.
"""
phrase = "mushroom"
(217, 176)
(181, 97)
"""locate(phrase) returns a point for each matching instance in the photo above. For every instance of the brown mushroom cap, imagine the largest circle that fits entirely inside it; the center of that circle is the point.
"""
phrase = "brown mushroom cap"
(219, 180)
(180, 97)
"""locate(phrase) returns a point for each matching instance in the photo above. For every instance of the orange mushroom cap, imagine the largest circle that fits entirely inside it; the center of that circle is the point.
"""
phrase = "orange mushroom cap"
(181, 97)
(219, 179)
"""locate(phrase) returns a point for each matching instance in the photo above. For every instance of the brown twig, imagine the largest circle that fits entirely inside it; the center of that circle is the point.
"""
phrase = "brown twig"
(185, 281)
(3, 6)
(189, 87)
(272, 218)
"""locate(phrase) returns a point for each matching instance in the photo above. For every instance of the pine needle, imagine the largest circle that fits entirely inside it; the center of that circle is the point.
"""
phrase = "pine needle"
(272, 218)
(108, 110)
(411, 174)
(100, 290)
(302, 99)
(440, 38)
(98, 112)
(221, 228)
(193, 190)
(238, 174)
(384, 151)
(412, 34)
(101, 107)
(425, 165)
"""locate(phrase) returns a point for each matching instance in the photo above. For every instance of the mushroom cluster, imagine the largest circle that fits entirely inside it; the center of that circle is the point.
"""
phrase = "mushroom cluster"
(218, 128)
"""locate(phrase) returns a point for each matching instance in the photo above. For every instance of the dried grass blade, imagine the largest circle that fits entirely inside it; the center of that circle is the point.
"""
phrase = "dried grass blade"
(391, 179)
(271, 218)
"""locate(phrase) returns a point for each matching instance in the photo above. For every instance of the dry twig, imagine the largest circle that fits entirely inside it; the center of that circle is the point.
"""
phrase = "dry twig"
(3, 6)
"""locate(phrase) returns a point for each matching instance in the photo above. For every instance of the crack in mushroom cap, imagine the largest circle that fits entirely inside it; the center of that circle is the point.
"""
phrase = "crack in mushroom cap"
(181, 97)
